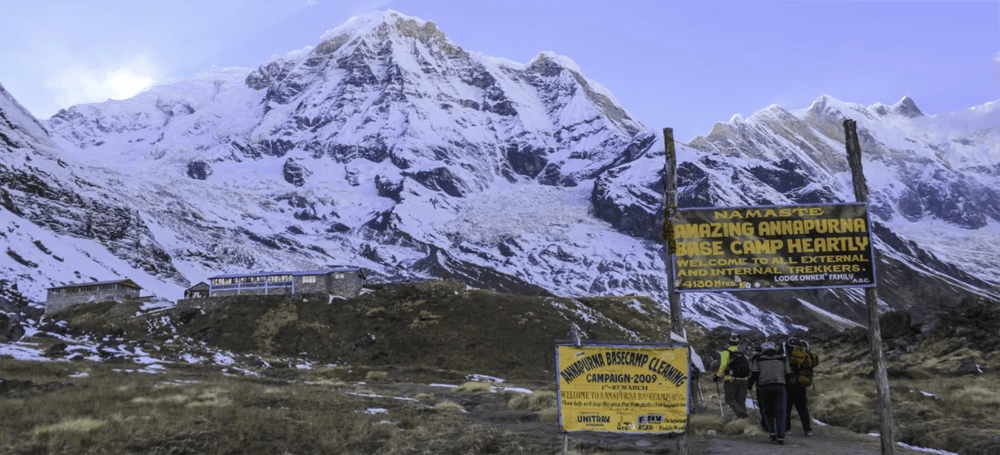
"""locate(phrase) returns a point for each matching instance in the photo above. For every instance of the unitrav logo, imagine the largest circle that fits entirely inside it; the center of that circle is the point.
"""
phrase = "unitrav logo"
(593, 419)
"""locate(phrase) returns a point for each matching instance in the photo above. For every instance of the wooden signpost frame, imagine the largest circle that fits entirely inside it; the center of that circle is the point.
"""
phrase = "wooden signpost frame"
(871, 294)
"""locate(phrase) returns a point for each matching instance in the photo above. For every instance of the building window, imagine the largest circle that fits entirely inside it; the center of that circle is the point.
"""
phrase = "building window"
(309, 279)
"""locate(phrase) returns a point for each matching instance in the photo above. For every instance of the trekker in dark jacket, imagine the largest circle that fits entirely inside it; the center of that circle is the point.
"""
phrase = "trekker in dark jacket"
(769, 372)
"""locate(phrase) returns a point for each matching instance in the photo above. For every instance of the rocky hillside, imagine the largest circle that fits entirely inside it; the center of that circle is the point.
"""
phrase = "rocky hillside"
(389, 147)
(434, 326)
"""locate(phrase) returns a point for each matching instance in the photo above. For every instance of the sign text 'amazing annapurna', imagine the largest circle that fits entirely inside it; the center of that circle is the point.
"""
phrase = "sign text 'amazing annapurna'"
(760, 248)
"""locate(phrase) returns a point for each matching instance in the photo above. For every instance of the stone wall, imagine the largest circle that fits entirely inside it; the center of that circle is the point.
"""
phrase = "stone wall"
(57, 301)
(214, 303)
(348, 286)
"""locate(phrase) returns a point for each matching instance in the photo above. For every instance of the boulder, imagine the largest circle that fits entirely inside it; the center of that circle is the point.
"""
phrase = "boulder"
(198, 170)
(57, 350)
(295, 173)
(389, 187)
(968, 366)
(896, 324)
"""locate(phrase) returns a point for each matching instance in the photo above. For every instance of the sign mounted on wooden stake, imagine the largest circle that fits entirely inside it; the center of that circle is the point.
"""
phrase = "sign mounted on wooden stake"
(624, 388)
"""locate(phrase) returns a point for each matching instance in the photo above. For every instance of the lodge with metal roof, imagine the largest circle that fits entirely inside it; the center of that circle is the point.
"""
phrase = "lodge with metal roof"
(339, 281)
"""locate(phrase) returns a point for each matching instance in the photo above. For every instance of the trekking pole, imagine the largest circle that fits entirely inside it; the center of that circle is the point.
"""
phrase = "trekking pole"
(701, 396)
(721, 412)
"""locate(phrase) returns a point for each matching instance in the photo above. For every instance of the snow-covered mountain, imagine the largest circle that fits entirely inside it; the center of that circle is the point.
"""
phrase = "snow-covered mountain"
(389, 147)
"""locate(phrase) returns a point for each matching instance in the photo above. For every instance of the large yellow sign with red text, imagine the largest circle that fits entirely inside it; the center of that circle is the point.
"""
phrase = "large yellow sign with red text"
(623, 388)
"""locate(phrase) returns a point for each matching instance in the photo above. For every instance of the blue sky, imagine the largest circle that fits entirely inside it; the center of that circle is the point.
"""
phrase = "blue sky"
(684, 65)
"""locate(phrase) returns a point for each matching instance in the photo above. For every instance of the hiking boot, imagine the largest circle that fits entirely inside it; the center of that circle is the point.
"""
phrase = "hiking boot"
(781, 441)
(772, 437)
(809, 433)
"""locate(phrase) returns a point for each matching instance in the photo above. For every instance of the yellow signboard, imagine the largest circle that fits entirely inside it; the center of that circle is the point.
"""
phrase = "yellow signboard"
(768, 248)
(622, 388)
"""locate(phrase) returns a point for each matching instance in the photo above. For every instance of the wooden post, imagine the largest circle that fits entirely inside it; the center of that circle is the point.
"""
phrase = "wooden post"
(670, 196)
(871, 297)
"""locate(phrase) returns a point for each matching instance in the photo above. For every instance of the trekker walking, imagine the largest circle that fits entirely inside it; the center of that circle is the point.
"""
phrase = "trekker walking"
(734, 370)
(769, 372)
(801, 360)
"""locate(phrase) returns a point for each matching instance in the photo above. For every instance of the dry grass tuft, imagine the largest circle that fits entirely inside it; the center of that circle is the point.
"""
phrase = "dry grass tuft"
(483, 439)
(472, 386)
(425, 319)
(449, 406)
(973, 398)
(74, 436)
(330, 383)
(537, 401)
(548, 415)
(71, 426)
(845, 406)
(743, 427)
(377, 312)
(209, 398)
(702, 424)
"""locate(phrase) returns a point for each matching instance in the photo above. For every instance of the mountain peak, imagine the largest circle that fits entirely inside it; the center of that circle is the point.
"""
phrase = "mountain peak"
(364, 23)
(904, 107)
(548, 56)
(907, 107)
(378, 22)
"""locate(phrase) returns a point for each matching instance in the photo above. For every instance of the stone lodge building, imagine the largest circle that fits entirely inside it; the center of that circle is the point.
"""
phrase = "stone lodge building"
(61, 297)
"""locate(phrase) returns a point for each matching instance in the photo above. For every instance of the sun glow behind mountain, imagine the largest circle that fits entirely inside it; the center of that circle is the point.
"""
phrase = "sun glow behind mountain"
(79, 84)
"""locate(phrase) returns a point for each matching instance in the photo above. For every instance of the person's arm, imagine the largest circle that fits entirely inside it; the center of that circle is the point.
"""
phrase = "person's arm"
(723, 363)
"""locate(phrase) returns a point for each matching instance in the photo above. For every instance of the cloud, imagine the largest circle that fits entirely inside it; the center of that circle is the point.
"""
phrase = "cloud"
(86, 84)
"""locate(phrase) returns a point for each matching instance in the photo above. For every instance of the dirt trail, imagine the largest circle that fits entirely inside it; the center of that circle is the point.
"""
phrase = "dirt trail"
(827, 441)
(537, 437)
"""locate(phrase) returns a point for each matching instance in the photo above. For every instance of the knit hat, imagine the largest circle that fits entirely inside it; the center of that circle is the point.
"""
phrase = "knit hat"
(794, 342)
(734, 338)
(768, 346)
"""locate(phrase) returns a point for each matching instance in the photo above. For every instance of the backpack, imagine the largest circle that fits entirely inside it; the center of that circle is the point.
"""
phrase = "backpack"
(802, 362)
(739, 366)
